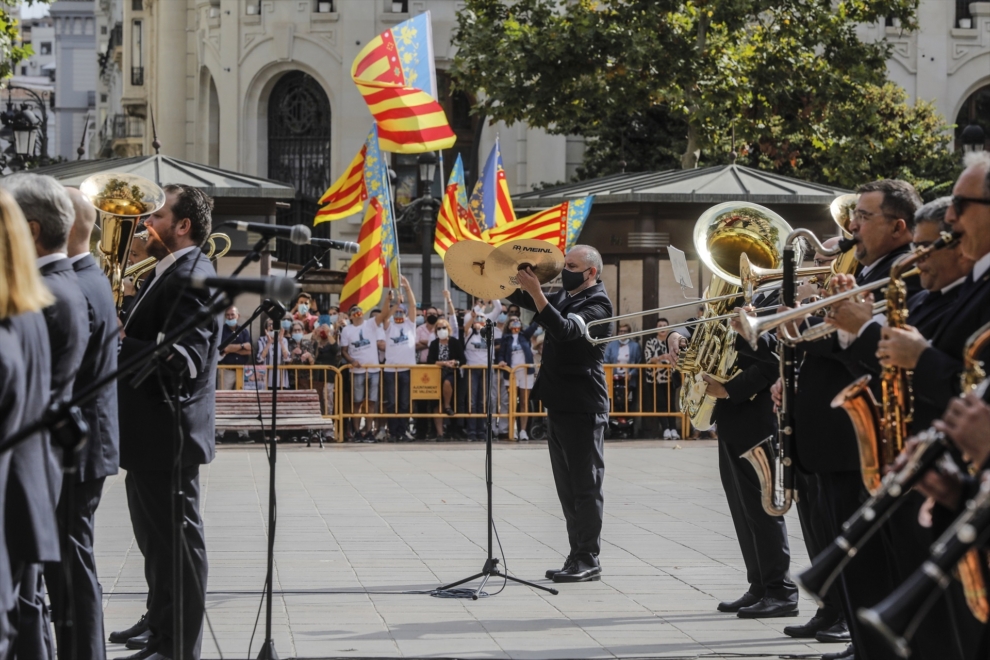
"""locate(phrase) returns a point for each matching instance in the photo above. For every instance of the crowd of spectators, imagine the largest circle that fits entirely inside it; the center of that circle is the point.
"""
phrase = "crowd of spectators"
(379, 345)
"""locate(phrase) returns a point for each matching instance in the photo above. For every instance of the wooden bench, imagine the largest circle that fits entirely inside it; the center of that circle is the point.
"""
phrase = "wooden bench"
(298, 410)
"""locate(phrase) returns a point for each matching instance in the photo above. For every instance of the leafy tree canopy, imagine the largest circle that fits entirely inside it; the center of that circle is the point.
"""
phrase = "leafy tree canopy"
(11, 50)
(656, 84)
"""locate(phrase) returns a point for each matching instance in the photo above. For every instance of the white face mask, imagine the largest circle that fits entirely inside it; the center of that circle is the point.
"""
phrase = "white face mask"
(442, 333)
(624, 341)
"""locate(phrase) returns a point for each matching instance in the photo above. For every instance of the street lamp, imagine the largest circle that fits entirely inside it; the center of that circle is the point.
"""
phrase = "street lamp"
(973, 138)
(427, 168)
(27, 127)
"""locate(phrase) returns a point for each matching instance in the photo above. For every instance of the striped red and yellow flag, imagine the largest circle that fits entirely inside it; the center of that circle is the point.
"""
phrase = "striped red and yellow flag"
(347, 194)
(394, 73)
(364, 282)
(455, 222)
(549, 225)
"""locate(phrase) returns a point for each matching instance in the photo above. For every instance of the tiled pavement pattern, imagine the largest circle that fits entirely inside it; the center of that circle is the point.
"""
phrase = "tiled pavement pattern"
(359, 519)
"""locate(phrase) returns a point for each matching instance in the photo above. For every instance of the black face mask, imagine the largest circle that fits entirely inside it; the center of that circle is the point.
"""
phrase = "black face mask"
(431, 319)
(571, 279)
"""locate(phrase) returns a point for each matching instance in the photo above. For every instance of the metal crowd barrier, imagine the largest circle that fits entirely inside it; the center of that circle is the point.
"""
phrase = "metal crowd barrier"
(631, 394)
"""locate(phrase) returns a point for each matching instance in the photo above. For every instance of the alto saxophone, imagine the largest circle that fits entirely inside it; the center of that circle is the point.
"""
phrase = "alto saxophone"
(881, 429)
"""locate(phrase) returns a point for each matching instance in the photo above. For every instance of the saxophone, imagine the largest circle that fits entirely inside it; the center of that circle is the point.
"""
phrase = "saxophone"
(881, 429)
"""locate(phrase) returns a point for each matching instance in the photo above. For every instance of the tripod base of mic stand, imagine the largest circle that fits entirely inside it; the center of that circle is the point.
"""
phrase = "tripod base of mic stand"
(268, 651)
(489, 571)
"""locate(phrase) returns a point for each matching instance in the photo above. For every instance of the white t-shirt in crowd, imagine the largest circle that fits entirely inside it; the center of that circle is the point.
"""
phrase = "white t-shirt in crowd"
(475, 349)
(361, 342)
(400, 343)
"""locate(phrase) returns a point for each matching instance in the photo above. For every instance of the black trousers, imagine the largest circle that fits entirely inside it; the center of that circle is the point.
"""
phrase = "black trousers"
(870, 575)
(577, 457)
(815, 531)
(86, 592)
(30, 622)
(762, 537)
(149, 496)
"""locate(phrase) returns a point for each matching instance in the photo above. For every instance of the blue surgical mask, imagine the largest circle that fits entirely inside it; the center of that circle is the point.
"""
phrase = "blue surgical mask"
(502, 317)
(303, 309)
(286, 324)
(297, 336)
(420, 321)
(331, 319)
(231, 322)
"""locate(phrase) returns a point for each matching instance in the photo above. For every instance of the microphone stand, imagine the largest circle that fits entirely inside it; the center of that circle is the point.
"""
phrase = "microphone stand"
(490, 569)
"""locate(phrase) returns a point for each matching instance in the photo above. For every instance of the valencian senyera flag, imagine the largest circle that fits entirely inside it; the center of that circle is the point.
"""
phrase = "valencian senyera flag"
(560, 225)
(490, 202)
(396, 75)
(577, 214)
(455, 222)
(347, 194)
(364, 281)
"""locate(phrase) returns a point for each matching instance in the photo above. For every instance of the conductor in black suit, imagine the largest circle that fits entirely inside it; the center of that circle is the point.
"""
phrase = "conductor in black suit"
(48, 210)
(147, 421)
(29, 498)
(571, 385)
(98, 458)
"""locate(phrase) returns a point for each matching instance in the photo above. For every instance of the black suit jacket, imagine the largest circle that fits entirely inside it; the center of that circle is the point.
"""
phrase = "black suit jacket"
(68, 325)
(12, 379)
(824, 440)
(146, 420)
(746, 417)
(455, 351)
(35, 476)
(101, 455)
(572, 374)
(936, 377)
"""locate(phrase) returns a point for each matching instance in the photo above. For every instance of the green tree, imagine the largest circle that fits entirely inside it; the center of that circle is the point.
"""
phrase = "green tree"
(11, 50)
(655, 84)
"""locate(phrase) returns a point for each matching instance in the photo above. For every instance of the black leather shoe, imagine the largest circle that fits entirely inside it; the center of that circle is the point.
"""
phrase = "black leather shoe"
(848, 654)
(138, 642)
(808, 630)
(553, 571)
(769, 607)
(582, 569)
(121, 636)
(735, 605)
(836, 634)
(144, 654)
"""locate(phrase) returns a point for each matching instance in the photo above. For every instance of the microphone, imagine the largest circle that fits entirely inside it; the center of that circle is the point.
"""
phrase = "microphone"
(298, 234)
(343, 246)
(277, 288)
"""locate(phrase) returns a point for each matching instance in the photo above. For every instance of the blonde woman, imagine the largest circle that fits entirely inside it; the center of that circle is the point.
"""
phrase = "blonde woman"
(30, 532)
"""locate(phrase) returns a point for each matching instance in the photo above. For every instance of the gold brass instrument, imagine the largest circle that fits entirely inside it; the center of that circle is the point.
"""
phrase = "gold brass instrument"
(842, 208)
(721, 235)
(753, 277)
(136, 270)
(121, 200)
(881, 432)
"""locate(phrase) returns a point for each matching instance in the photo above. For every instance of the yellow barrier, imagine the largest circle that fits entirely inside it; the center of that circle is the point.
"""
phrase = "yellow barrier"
(510, 400)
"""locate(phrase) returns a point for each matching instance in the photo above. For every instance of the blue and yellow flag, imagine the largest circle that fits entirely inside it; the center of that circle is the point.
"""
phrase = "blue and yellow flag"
(491, 203)
(577, 214)
(376, 182)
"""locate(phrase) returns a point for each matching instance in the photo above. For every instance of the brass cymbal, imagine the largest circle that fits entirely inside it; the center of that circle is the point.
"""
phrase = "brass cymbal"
(545, 258)
(466, 264)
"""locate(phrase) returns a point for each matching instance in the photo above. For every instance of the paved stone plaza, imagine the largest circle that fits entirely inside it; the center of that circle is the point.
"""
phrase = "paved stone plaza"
(357, 521)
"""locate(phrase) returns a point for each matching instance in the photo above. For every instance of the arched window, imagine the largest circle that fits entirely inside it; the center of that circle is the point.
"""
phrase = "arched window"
(976, 110)
(299, 152)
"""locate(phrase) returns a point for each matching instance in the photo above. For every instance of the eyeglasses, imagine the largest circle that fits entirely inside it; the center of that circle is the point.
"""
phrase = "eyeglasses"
(959, 203)
(859, 215)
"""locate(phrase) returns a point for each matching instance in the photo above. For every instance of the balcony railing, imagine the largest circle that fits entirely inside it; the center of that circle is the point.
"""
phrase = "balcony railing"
(137, 76)
(125, 126)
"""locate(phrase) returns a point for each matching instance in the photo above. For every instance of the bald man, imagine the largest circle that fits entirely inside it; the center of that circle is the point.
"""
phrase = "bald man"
(96, 460)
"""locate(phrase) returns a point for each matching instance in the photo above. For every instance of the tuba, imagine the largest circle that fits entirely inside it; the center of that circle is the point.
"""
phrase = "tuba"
(721, 235)
(881, 429)
(136, 270)
(121, 200)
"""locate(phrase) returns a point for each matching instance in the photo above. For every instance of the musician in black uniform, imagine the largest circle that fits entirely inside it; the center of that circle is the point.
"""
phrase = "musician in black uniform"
(744, 417)
(882, 226)
(48, 210)
(99, 456)
(571, 385)
(147, 420)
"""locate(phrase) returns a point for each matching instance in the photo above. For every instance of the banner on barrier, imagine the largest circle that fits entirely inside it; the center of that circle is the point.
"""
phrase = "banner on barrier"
(424, 383)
